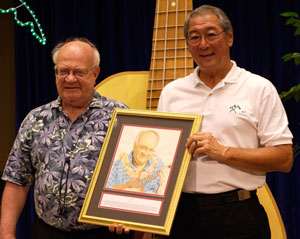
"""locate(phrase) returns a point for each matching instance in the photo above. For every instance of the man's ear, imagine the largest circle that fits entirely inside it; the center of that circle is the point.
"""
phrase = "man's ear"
(97, 71)
(230, 38)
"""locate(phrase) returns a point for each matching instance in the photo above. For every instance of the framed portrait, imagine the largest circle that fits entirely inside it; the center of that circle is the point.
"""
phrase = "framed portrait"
(140, 171)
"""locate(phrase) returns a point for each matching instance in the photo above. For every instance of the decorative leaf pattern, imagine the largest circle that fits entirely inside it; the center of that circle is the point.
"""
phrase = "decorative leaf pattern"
(294, 92)
(45, 139)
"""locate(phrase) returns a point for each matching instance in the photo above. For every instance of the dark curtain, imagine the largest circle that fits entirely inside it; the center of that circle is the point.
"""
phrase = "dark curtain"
(122, 30)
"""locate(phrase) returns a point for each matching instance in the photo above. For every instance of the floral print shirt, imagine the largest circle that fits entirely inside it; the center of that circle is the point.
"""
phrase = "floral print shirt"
(59, 156)
(123, 172)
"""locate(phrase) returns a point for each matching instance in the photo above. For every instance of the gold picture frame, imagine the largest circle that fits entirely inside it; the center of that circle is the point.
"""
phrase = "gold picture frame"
(142, 208)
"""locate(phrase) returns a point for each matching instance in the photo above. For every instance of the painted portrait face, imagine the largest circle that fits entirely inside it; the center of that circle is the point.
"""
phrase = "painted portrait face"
(144, 149)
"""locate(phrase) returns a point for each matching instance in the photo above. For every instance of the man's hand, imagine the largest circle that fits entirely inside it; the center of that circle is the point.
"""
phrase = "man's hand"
(118, 229)
(164, 175)
(205, 143)
(265, 159)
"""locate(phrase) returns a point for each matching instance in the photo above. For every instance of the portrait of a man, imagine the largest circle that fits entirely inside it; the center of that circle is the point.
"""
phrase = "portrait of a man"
(140, 170)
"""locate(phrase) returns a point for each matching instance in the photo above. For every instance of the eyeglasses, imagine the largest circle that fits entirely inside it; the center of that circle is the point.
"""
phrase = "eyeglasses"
(64, 72)
(195, 38)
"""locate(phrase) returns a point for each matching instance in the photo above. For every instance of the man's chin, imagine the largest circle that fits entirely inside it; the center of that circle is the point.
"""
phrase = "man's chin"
(143, 160)
(207, 62)
(71, 96)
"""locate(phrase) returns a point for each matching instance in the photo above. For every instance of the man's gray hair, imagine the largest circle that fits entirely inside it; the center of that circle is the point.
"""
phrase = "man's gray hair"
(57, 48)
(208, 9)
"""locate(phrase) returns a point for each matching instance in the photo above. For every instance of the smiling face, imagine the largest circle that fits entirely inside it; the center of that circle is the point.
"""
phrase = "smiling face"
(144, 148)
(75, 90)
(214, 56)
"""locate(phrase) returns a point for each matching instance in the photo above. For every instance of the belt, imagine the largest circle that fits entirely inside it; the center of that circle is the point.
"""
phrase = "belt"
(221, 198)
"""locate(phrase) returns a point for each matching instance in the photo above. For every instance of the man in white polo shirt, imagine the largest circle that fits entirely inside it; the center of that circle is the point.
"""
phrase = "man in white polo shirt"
(244, 134)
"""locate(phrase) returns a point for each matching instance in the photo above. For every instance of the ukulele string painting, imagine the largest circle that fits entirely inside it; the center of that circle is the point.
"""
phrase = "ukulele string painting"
(40, 35)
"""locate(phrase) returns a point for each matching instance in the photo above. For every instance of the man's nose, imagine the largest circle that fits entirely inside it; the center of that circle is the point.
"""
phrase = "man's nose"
(70, 77)
(203, 42)
(146, 151)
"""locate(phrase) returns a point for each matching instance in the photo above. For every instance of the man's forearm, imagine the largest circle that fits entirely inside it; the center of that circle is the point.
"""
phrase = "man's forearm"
(268, 159)
(13, 200)
(265, 159)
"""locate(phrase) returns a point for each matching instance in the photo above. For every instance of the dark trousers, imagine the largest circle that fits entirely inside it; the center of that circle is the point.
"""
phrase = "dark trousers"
(41, 230)
(220, 216)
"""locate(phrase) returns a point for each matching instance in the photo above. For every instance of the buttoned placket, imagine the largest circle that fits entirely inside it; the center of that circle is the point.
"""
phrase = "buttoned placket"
(211, 100)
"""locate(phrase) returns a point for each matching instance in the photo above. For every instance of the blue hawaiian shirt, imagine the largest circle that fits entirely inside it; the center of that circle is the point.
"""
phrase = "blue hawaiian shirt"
(119, 174)
(60, 156)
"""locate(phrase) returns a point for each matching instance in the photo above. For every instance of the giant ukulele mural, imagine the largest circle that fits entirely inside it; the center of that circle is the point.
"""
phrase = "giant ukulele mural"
(170, 60)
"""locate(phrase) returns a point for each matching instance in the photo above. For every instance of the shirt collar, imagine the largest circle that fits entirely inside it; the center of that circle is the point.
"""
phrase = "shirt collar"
(95, 103)
(231, 77)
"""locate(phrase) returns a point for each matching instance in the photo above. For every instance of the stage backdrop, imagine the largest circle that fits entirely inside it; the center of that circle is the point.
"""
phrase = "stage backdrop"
(122, 30)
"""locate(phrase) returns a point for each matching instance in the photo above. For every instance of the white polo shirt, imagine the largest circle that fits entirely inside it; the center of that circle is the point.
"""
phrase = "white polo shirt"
(243, 110)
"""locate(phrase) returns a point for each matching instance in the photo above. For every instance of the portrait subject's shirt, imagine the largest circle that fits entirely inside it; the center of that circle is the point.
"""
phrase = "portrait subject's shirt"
(60, 156)
(243, 110)
(123, 171)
